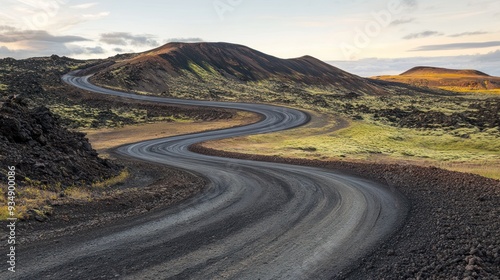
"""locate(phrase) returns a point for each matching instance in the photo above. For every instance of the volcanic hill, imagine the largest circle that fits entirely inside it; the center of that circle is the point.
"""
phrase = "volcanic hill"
(449, 79)
(174, 65)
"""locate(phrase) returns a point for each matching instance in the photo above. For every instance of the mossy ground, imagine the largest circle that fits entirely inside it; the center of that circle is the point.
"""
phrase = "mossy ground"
(36, 198)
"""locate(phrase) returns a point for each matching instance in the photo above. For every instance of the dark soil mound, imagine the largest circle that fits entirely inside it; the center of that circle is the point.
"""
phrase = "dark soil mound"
(43, 152)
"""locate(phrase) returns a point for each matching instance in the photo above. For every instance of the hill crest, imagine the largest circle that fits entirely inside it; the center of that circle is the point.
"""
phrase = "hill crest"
(428, 70)
(229, 61)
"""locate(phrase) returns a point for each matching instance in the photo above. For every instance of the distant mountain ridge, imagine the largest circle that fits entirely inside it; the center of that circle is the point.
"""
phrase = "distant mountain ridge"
(153, 70)
(427, 70)
(461, 80)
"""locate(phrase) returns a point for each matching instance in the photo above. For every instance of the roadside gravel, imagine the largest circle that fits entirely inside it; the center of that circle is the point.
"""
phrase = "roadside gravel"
(149, 188)
(451, 232)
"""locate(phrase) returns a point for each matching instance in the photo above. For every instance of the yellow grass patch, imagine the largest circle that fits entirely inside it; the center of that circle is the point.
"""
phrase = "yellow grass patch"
(120, 178)
(27, 198)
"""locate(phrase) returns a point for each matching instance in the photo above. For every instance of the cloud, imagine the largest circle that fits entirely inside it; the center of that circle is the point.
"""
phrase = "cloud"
(90, 50)
(13, 35)
(458, 46)
(482, 4)
(410, 3)
(402, 21)
(468, 34)
(369, 67)
(6, 28)
(84, 6)
(491, 57)
(95, 16)
(57, 15)
(126, 39)
(424, 34)
(184, 40)
(35, 43)
(49, 48)
(4, 50)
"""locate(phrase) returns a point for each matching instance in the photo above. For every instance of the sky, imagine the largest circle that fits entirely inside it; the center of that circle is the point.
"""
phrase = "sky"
(363, 37)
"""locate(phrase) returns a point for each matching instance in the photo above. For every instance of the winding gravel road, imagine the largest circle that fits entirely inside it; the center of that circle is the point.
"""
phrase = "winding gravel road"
(256, 220)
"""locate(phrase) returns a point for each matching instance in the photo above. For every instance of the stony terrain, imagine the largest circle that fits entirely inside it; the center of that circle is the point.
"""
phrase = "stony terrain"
(44, 153)
(149, 187)
(451, 231)
(480, 114)
(37, 78)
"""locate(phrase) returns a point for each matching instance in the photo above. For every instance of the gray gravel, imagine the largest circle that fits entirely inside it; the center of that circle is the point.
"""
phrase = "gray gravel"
(451, 232)
(256, 220)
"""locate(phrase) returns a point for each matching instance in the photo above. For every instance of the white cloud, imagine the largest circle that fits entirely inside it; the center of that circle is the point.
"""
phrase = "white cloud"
(84, 6)
(96, 16)
(54, 16)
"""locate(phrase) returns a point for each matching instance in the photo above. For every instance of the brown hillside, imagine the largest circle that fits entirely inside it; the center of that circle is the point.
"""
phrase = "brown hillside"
(426, 70)
(449, 79)
(153, 70)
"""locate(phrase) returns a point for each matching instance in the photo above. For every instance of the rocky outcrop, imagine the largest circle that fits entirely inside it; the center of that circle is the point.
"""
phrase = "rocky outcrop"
(44, 153)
